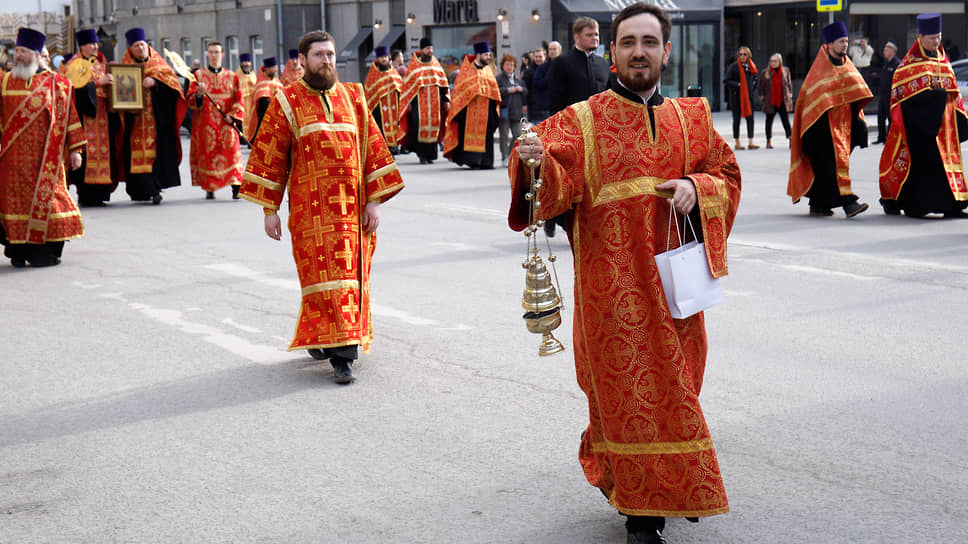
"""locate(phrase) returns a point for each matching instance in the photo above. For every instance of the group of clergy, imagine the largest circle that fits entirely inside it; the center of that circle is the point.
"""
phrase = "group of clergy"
(920, 171)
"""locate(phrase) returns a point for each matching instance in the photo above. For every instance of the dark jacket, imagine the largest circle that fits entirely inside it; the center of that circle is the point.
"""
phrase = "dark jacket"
(885, 76)
(765, 87)
(733, 83)
(538, 89)
(514, 102)
(575, 76)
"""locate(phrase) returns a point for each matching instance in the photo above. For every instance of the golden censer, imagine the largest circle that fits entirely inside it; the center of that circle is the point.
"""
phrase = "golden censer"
(541, 303)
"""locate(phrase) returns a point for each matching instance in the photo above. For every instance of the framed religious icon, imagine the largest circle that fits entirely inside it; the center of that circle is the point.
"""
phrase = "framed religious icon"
(127, 94)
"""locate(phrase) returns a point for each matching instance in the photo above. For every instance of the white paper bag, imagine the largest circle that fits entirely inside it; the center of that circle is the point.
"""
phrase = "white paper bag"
(688, 283)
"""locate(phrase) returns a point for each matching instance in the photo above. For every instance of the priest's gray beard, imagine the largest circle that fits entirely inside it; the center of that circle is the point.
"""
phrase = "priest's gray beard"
(25, 71)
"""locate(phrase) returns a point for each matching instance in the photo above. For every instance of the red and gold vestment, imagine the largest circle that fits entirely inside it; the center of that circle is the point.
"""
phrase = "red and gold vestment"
(39, 126)
(247, 83)
(383, 94)
(424, 81)
(647, 445)
(832, 90)
(329, 153)
(918, 73)
(98, 151)
(294, 72)
(265, 88)
(216, 157)
(144, 146)
(473, 90)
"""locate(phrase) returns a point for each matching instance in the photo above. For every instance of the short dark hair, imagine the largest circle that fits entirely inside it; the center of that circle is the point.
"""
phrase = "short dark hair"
(639, 8)
(214, 42)
(582, 23)
(309, 38)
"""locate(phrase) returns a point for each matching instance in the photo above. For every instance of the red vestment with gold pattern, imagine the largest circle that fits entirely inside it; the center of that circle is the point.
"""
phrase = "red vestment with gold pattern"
(97, 170)
(383, 96)
(216, 155)
(39, 128)
(832, 90)
(247, 83)
(425, 82)
(329, 153)
(475, 91)
(647, 446)
(293, 72)
(919, 73)
(265, 88)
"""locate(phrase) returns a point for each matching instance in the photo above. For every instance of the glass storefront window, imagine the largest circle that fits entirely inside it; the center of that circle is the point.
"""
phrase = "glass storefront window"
(691, 62)
(451, 43)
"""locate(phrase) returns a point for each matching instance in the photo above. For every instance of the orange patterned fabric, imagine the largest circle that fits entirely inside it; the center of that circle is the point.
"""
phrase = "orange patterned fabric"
(918, 73)
(383, 92)
(247, 83)
(647, 445)
(216, 157)
(329, 153)
(98, 151)
(423, 82)
(474, 89)
(144, 133)
(827, 89)
(265, 88)
(40, 127)
(293, 72)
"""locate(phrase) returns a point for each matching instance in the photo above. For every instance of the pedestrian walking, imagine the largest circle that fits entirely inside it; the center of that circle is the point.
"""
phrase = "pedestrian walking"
(641, 369)
(921, 169)
(775, 88)
(537, 85)
(885, 77)
(514, 96)
(740, 82)
(828, 124)
(329, 157)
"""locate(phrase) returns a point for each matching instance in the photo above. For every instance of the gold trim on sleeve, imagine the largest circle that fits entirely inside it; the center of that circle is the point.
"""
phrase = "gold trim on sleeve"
(263, 182)
(330, 286)
(653, 448)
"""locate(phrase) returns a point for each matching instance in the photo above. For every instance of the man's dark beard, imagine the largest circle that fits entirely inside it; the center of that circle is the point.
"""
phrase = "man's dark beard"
(426, 58)
(637, 84)
(383, 65)
(246, 70)
(320, 82)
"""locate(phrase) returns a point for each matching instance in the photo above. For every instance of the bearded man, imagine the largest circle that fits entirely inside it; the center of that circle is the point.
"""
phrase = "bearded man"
(40, 131)
(474, 113)
(150, 146)
(383, 85)
(326, 150)
(93, 178)
(247, 81)
(294, 70)
(647, 446)
(424, 101)
(265, 89)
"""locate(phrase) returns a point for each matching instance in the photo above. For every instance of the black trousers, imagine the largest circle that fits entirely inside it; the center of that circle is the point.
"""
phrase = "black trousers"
(749, 125)
(350, 353)
(40, 254)
(883, 119)
(784, 119)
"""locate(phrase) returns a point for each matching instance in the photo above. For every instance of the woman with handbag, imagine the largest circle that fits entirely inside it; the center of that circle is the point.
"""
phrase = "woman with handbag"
(513, 99)
(776, 93)
(740, 82)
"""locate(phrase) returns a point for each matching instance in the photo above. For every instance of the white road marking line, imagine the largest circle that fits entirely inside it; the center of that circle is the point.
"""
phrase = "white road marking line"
(892, 261)
(241, 271)
(812, 269)
(228, 321)
(456, 246)
(86, 285)
(486, 212)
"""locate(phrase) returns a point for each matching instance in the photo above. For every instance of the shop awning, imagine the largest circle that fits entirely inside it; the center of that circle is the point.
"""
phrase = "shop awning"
(891, 8)
(352, 49)
(589, 7)
(395, 32)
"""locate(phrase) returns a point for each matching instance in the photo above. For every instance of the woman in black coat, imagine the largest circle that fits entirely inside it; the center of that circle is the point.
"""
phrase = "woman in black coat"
(740, 83)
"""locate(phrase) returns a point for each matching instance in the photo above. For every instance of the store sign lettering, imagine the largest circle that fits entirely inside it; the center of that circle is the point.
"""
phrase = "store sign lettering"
(455, 11)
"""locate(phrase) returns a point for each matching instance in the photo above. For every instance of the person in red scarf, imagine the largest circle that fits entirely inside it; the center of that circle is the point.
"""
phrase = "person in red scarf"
(740, 82)
(776, 93)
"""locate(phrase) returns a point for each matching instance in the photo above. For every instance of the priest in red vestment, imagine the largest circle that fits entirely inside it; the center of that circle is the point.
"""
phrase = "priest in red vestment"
(293, 70)
(474, 112)
(216, 156)
(828, 123)
(921, 168)
(265, 90)
(247, 82)
(383, 85)
(424, 102)
(148, 143)
(612, 163)
(93, 178)
(326, 151)
(40, 133)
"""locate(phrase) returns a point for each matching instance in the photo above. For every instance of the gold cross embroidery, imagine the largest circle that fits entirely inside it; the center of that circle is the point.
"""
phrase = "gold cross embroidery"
(346, 254)
(351, 308)
(343, 199)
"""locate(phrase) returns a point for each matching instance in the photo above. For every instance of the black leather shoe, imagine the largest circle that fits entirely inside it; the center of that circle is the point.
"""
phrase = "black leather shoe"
(342, 371)
(549, 228)
(820, 212)
(53, 261)
(18, 263)
(209, 195)
(890, 207)
(650, 536)
(235, 192)
(155, 200)
(317, 354)
(855, 208)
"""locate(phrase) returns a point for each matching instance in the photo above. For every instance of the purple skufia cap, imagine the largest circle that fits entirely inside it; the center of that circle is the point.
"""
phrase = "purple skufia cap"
(425, 42)
(834, 32)
(245, 57)
(929, 23)
(269, 62)
(85, 37)
(31, 39)
(135, 35)
(294, 53)
(482, 47)
(381, 51)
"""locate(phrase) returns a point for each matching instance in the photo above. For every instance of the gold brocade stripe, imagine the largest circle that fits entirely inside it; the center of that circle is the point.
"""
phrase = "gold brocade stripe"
(835, 79)
(220, 172)
(953, 168)
(73, 126)
(263, 182)
(14, 217)
(381, 172)
(653, 448)
(326, 127)
(330, 286)
(822, 100)
(671, 513)
(592, 179)
(61, 215)
(630, 188)
(286, 109)
(365, 339)
(685, 134)
(380, 194)
(82, 143)
(918, 75)
(259, 201)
